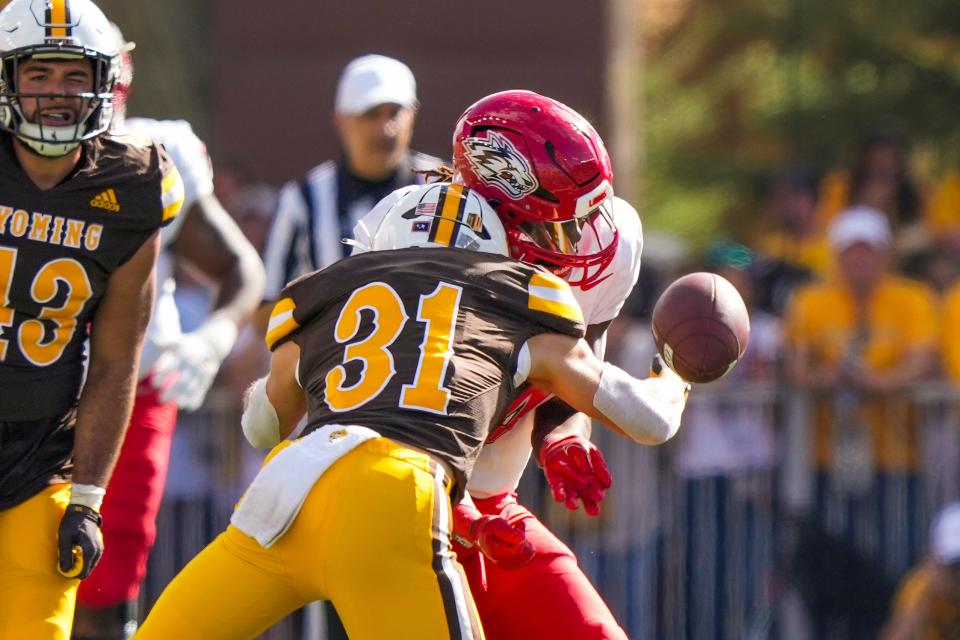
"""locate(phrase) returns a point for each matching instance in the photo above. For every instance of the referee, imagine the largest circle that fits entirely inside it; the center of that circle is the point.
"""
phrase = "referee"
(376, 105)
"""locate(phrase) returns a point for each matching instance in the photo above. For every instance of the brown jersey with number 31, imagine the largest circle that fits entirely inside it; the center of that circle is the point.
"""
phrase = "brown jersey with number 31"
(419, 345)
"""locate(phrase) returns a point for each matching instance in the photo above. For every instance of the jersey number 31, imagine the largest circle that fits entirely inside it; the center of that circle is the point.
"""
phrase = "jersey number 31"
(437, 309)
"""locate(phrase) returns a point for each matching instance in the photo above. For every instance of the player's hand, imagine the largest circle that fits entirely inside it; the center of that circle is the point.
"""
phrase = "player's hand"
(500, 541)
(659, 369)
(504, 543)
(576, 471)
(80, 541)
(184, 373)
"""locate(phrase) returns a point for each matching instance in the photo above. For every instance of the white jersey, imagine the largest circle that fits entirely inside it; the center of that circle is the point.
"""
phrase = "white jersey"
(189, 155)
(507, 450)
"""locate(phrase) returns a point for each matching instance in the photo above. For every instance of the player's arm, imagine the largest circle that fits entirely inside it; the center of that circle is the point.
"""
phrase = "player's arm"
(646, 411)
(275, 403)
(105, 403)
(557, 418)
(575, 468)
(211, 244)
(115, 339)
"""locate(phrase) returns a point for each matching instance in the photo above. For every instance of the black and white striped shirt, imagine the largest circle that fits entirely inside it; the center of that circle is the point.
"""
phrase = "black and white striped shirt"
(313, 216)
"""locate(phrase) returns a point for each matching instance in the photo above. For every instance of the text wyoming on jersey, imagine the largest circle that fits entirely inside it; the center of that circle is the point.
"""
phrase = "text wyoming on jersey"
(49, 228)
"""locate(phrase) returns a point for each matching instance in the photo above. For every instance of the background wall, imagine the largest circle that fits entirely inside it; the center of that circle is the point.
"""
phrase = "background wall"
(275, 83)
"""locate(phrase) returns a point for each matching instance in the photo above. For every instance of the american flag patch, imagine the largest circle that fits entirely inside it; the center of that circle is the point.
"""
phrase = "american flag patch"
(421, 225)
(427, 208)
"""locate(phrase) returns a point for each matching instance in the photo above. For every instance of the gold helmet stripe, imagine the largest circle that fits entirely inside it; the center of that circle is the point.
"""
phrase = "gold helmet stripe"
(58, 13)
(451, 205)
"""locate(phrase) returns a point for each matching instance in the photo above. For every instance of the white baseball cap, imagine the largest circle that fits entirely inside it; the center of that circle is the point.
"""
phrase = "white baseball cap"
(945, 535)
(860, 224)
(373, 80)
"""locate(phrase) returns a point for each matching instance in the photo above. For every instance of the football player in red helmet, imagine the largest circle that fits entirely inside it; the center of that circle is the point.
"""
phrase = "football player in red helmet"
(548, 175)
(546, 172)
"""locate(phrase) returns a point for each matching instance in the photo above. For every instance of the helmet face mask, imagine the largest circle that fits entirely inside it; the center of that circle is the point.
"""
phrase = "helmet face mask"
(584, 242)
(64, 30)
(546, 172)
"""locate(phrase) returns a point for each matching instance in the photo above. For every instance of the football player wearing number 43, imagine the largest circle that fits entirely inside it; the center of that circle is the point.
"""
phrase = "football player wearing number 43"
(176, 368)
(79, 215)
(401, 360)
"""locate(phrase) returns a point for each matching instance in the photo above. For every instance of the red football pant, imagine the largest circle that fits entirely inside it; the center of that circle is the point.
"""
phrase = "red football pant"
(133, 499)
(548, 598)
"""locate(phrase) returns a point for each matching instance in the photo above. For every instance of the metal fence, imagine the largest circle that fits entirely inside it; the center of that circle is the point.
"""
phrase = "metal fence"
(766, 547)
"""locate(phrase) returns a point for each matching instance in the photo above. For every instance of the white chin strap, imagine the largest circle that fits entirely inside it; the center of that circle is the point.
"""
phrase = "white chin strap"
(30, 134)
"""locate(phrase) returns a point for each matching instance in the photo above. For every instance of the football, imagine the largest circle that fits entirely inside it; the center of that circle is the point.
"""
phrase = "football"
(701, 326)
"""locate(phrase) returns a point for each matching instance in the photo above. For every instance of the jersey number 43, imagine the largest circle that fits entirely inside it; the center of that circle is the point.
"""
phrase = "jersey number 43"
(35, 345)
(438, 310)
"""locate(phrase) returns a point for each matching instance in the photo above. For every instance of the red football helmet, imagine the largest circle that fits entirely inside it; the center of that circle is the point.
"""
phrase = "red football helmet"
(547, 174)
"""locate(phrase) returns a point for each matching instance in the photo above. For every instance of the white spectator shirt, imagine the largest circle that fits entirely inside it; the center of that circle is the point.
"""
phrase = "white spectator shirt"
(507, 451)
(189, 155)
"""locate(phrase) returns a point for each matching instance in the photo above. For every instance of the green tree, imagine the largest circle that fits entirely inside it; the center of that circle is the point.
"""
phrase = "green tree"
(734, 88)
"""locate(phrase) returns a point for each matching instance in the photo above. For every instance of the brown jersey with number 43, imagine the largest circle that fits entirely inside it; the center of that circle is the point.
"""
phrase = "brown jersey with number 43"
(57, 250)
(419, 345)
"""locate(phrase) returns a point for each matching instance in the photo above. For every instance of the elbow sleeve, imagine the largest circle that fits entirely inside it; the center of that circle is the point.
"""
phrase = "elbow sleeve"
(648, 411)
(261, 426)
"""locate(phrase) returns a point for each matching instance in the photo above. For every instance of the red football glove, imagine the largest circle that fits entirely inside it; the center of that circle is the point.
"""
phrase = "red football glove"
(503, 543)
(576, 470)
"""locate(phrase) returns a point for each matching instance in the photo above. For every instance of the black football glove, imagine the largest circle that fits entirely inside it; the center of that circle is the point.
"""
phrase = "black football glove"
(80, 541)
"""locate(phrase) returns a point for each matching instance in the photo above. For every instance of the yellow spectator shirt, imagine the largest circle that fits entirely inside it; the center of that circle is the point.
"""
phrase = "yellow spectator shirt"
(942, 614)
(900, 317)
(811, 253)
(942, 213)
(951, 333)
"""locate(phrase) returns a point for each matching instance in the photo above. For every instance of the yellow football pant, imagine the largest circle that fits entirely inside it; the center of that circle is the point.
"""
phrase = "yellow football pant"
(371, 537)
(36, 602)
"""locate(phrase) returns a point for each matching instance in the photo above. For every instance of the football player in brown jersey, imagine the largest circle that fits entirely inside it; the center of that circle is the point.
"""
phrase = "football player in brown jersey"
(401, 360)
(79, 215)
(176, 368)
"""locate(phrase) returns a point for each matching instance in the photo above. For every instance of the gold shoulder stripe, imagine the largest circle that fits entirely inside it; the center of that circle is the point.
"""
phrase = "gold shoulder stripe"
(171, 193)
(550, 294)
(282, 322)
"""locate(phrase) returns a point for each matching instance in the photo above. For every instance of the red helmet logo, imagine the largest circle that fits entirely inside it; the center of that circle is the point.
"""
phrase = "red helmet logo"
(498, 163)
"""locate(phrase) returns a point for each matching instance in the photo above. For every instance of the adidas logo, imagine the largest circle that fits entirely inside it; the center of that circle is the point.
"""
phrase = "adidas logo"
(106, 200)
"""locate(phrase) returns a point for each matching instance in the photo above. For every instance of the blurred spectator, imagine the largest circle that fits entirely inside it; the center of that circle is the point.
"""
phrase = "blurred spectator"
(725, 455)
(951, 333)
(376, 105)
(858, 341)
(927, 607)
(943, 210)
(938, 266)
(792, 235)
(727, 436)
(880, 178)
(792, 247)
(253, 206)
(232, 176)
